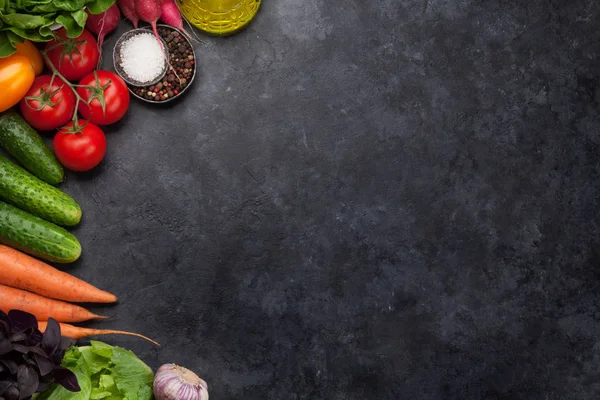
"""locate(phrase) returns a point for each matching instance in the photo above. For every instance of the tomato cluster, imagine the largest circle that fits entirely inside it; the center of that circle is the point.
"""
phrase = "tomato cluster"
(51, 102)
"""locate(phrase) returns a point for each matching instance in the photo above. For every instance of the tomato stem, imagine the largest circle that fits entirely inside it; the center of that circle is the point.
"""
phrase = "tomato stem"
(45, 97)
(71, 86)
(97, 91)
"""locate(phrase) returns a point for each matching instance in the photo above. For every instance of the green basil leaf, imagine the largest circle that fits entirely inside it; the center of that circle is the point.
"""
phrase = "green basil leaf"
(80, 17)
(43, 9)
(24, 21)
(46, 31)
(99, 6)
(6, 47)
(30, 34)
(69, 5)
(32, 19)
(72, 27)
(13, 38)
(31, 5)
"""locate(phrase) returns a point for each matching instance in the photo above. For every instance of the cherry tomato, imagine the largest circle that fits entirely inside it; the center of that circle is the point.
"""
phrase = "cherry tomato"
(48, 107)
(29, 50)
(74, 58)
(80, 149)
(16, 77)
(106, 97)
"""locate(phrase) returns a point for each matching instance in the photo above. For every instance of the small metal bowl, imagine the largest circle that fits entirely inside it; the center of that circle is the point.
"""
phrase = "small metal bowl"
(191, 80)
(117, 58)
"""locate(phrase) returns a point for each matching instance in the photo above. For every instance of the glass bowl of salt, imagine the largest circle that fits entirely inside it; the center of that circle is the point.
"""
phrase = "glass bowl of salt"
(139, 59)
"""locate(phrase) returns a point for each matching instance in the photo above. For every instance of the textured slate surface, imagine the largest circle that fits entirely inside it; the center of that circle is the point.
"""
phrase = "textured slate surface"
(365, 200)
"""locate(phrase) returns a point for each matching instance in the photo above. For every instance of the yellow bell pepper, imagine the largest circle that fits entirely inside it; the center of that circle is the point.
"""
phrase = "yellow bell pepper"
(16, 77)
(29, 50)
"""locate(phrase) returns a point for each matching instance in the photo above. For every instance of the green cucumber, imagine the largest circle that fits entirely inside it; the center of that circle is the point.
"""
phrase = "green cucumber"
(21, 189)
(37, 237)
(22, 142)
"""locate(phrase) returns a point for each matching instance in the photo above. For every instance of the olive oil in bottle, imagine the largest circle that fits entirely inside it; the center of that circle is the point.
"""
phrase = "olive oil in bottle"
(219, 17)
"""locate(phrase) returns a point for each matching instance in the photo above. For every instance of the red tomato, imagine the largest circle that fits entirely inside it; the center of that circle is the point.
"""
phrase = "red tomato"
(47, 107)
(81, 149)
(106, 97)
(74, 58)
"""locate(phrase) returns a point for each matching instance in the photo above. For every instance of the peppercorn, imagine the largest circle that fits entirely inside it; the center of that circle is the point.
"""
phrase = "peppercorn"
(181, 58)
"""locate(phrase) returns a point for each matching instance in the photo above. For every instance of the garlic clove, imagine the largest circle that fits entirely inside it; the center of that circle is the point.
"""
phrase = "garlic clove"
(173, 382)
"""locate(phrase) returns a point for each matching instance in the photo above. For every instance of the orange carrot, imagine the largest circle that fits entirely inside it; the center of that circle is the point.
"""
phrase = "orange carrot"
(42, 307)
(24, 272)
(76, 332)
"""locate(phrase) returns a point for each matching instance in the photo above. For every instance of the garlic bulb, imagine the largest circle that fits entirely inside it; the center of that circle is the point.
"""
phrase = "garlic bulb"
(173, 382)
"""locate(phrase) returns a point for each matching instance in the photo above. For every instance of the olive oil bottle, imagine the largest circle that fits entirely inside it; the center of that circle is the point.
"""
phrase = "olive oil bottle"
(219, 17)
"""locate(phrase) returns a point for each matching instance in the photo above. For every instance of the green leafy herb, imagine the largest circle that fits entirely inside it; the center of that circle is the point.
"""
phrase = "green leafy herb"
(33, 19)
(99, 6)
(104, 372)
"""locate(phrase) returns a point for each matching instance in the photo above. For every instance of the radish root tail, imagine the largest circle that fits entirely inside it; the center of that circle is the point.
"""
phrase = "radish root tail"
(165, 52)
(193, 30)
(101, 41)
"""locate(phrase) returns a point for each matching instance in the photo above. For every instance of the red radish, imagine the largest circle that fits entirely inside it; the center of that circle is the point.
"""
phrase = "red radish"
(170, 15)
(103, 24)
(128, 9)
(149, 11)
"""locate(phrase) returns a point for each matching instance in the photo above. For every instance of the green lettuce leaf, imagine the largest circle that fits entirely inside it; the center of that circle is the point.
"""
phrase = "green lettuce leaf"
(95, 362)
(133, 378)
(107, 373)
(102, 349)
(75, 362)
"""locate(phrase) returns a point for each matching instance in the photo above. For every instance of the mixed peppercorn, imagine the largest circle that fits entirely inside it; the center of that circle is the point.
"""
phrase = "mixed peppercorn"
(182, 59)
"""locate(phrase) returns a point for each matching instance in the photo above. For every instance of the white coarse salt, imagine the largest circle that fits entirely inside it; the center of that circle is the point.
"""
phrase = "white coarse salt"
(142, 58)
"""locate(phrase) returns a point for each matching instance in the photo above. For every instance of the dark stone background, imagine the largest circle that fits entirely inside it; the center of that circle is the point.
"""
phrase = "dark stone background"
(365, 200)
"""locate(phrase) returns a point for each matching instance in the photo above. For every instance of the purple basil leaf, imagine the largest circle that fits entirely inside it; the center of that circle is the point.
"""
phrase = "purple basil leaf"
(35, 337)
(5, 346)
(21, 348)
(4, 329)
(28, 380)
(66, 379)
(38, 351)
(4, 385)
(51, 339)
(11, 393)
(65, 343)
(43, 386)
(31, 361)
(18, 337)
(11, 365)
(22, 321)
(44, 365)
